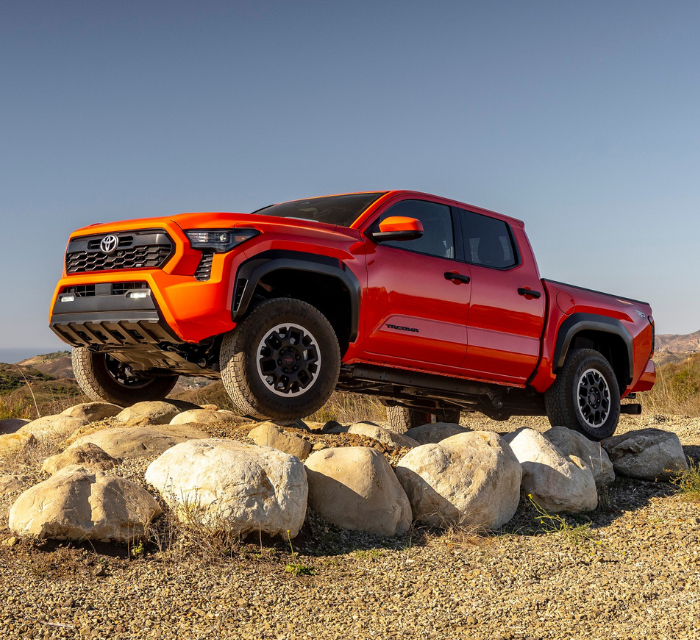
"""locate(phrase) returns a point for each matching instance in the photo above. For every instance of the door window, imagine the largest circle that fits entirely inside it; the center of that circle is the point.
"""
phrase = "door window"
(487, 241)
(438, 237)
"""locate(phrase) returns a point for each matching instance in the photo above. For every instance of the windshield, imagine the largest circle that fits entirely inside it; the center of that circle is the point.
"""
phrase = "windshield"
(340, 210)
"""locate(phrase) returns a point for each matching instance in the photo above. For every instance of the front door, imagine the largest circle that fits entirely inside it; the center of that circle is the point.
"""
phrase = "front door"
(416, 307)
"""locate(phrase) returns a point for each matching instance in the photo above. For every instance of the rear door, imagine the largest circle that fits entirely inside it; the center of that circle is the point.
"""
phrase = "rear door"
(416, 306)
(505, 322)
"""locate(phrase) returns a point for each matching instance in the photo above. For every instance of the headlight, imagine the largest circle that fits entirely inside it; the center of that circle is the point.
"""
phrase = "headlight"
(219, 240)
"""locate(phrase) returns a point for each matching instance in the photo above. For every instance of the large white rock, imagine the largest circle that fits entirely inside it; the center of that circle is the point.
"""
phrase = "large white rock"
(268, 434)
(80, 504)
(555, 482)
(435, 432)
(206, 416)
(93, 411)
(382, 435)
(356, 488)
(10, 425)
(572, 443)
(140, 442)
(53, 427)
(86, 455)
(471, 478)
(647, 454)
(225, 483)
(157, 412)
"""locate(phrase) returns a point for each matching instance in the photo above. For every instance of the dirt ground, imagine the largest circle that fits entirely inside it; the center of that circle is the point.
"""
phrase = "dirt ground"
(630, 569)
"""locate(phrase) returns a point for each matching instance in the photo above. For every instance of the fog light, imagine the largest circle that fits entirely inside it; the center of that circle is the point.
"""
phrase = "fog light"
(138, 294)
(67, 297)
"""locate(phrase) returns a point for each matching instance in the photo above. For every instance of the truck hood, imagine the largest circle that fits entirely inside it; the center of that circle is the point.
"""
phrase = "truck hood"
(207, 220)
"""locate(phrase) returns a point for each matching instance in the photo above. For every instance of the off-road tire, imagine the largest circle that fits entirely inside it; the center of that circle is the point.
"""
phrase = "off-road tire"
(93, 377)
(401, 419)
(241, 371)
(562, 398)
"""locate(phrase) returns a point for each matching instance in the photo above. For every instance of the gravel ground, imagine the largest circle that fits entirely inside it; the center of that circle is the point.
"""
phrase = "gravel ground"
(631, 569)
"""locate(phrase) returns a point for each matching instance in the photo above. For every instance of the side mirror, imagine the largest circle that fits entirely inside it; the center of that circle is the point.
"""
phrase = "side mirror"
(397, 228)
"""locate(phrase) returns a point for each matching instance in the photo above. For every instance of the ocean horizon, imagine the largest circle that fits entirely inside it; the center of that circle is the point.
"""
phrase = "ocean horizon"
(11, 355)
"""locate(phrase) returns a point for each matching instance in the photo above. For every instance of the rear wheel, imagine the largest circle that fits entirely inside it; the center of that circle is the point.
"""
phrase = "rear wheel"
(401, 419)
(282, 361)
(106, 379)
(585, 396)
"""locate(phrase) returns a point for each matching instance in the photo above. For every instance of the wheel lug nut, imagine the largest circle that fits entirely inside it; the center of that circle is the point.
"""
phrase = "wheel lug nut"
(279, 362)
(298, 357)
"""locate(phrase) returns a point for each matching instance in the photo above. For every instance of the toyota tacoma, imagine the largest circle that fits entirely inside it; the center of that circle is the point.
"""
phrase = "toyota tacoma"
(434, 306)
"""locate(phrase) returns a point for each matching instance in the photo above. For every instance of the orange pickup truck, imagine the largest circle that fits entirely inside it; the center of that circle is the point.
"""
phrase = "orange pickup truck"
(433, 305)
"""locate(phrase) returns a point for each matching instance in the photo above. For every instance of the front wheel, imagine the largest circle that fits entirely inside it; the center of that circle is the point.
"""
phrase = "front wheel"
(106, 379)
(282, 361)
(585, 396)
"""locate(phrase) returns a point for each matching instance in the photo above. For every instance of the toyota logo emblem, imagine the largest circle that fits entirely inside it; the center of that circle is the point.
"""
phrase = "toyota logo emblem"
(109, 244)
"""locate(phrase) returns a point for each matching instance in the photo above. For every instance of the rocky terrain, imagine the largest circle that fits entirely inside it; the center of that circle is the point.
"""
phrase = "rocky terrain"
(444, 532)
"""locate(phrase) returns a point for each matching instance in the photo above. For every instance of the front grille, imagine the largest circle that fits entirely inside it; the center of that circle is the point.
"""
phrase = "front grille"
(135, 250)
(203, 271)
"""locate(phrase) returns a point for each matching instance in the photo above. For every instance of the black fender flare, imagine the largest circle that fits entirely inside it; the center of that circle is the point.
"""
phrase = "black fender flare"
(578, 322)
(254, 269)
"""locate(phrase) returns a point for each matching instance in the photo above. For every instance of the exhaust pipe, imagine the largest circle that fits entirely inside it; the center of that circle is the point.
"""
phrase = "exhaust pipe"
(631, 409)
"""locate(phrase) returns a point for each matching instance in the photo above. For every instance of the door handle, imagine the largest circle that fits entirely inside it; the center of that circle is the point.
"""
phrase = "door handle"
(529, 292)
(456, 276)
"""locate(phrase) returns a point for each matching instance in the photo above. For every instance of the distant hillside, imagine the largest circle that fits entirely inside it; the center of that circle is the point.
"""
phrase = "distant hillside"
(57, 364)
(688, 343)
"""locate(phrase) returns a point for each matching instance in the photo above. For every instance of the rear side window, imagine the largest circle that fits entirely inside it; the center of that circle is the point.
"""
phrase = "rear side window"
(487, 241)
(438, 237)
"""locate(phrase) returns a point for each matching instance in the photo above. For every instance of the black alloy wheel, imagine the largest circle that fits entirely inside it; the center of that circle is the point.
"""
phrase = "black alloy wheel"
(585, 395)
(289, 359)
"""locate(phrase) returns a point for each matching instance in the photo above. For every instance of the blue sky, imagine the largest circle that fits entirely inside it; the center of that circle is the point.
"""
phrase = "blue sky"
(583, 119)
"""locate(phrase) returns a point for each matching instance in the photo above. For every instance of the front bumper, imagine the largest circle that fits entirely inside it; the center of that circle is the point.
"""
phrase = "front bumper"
(180, 309)
(110, 314)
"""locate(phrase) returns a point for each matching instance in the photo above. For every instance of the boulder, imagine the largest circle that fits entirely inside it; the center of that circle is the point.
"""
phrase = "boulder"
(356, 488)
(13, 444)
(572, 443)
(148, 413)
(229, 484)
(53, 427)
(472, 479)
(268, 434)
(140, 442)
(93, 411)
(87, 455)
(647, 454)
(10, 425)
(555, 482)
(206, 416)
(82, 504)
(9, 483)
(382, 435)
(435, 432)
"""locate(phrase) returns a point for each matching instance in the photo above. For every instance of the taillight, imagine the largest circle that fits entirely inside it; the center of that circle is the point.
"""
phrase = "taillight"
(653, 336)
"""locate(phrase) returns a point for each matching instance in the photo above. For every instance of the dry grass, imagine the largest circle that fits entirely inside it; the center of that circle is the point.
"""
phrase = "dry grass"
(677, 389)
(348, 408)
